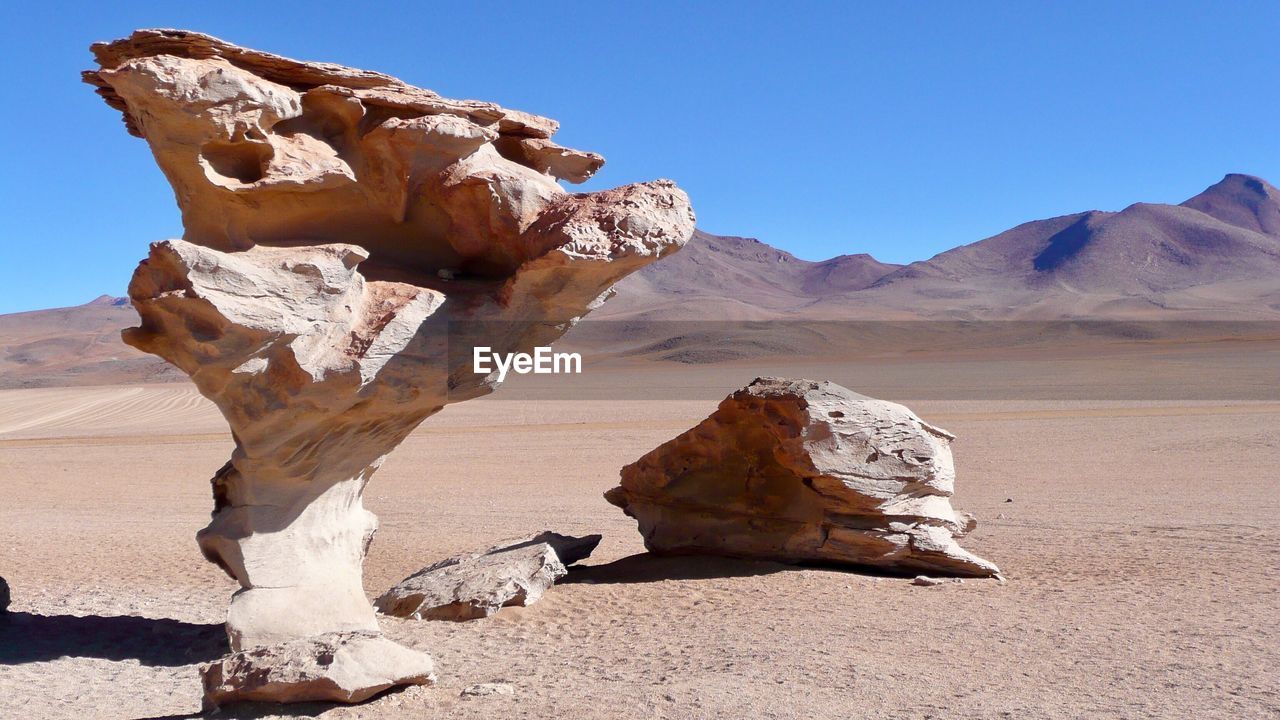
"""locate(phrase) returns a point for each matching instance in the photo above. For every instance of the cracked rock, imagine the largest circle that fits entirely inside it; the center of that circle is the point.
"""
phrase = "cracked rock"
(478, 584)
(334, 667)
(804, 471)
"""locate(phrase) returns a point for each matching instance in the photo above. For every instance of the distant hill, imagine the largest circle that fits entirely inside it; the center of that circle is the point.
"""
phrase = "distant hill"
(1214, 257)
(75, 346)
(717, 276)
(1243, 201)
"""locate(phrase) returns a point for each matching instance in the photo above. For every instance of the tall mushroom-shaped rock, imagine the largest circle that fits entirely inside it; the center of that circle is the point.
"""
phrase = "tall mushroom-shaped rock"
(804, 471)
(348, 237)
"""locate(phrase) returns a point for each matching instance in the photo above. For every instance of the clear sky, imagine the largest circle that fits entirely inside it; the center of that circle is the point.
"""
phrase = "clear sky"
(899, 129)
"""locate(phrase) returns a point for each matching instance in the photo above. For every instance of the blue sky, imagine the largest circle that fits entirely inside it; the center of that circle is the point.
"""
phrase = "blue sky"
(899, 129)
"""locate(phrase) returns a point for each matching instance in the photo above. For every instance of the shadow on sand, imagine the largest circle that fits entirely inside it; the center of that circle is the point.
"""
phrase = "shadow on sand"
(252, 711)
(25, 638)
(647, 567)
(255, 710)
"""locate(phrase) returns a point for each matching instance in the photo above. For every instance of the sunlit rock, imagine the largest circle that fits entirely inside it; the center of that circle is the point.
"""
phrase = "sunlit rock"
(804, 471)
(342, 230)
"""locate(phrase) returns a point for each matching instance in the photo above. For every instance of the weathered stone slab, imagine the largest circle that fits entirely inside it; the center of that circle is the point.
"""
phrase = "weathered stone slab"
(335, 667)
(479, 584)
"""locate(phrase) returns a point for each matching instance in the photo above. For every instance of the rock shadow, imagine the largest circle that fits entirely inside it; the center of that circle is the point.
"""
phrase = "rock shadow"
(647, 567)
(256, 710)
(27, 637)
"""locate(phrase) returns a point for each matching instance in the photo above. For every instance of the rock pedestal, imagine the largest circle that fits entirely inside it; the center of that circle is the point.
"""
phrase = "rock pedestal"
(345, 234)
(803, 471)
(334, 667)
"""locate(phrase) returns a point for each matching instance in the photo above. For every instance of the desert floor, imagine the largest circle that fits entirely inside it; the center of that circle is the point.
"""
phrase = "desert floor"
(1131, 501)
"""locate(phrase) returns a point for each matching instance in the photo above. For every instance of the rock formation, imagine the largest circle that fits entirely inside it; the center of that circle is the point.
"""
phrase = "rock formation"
(479, 584)
(4, 595)
(804, 471)
(335, 667)
(346, 235)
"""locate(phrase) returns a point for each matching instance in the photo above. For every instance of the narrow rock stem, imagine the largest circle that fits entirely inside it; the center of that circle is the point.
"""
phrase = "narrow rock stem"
(297, 549)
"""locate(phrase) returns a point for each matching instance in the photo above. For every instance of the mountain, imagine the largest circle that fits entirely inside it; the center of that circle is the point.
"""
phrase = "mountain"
(1215, 256)
(844, 273)
(734, 278)
(108, 301)
(75, 346)
(1243, 201)
(1218, 253)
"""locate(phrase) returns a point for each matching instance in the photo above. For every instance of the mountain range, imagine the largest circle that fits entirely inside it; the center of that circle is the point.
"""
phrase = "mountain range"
(1214, 257)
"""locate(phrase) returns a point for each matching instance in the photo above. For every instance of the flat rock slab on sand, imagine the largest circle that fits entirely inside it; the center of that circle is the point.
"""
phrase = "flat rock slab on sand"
(487, 689)
(336, 667)
(478, 584)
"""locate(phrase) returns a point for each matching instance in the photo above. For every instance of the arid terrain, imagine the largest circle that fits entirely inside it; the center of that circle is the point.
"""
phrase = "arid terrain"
(1127, 491)
(1213, 258)
(1100, 538)
(1122, 471)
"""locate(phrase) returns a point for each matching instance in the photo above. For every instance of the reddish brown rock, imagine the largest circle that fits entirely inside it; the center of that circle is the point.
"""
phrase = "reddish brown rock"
(804, 471)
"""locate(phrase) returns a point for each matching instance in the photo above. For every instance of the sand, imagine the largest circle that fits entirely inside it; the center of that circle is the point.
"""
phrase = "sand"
(1141, 549)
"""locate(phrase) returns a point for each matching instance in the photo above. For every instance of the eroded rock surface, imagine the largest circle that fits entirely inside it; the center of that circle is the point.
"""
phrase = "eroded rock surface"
(345, 236)
(479, 584)
(804, 471)
(487, 689)
(335, 667)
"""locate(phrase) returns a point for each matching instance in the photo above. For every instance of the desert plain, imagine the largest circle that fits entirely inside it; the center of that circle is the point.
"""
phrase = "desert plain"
(1127, 489)
(1122, 470)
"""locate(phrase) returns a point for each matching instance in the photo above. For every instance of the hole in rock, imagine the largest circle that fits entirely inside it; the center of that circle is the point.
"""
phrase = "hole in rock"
(243, 162)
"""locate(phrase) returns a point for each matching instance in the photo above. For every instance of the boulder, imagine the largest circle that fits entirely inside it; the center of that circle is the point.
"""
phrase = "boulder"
(803, 471)
(347, 239)
(479, 584)
(335, 667)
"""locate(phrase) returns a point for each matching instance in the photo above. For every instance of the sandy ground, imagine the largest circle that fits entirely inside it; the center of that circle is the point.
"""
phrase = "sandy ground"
(1141, 546)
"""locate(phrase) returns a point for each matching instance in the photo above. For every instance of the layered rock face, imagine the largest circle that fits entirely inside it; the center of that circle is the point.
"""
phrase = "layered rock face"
(804, 471)
(341, 229)
(479, 584)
